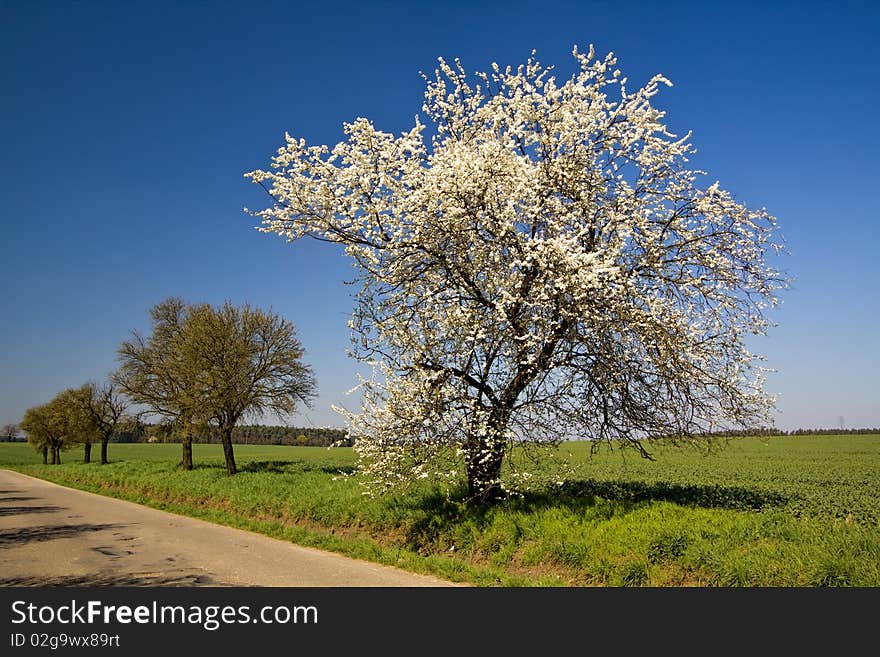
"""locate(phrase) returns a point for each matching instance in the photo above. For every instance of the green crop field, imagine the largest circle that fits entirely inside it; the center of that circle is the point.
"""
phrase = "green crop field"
(778, 511)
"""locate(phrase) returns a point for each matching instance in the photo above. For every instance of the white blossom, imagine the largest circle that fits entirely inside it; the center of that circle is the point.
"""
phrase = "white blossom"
(544, 266)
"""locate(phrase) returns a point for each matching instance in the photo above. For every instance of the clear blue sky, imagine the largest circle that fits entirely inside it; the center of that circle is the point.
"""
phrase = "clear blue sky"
(126, 128)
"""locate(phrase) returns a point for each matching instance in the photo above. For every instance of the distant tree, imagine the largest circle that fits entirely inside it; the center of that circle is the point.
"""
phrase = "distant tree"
(543, 265)
(46, 427)
(152, 373)
(247, 361)
(10, 432)
(79, 427)
(209, 367)
(104, 407)
(35, 424)
(160, 433)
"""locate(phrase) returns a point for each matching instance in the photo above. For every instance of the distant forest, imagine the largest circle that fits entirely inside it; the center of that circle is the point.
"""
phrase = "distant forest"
(767, 431)
(252, 434)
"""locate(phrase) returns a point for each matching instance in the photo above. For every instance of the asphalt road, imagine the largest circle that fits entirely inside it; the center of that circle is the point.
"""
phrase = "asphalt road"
(56, 536)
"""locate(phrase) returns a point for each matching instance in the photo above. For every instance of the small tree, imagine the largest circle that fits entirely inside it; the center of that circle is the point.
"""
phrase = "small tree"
(248, 362)
(34, 425)
(79, 427)
(46, 427)
(105, 409)
(152, 373)
(545, 268)
(10, 432)
(212, 366)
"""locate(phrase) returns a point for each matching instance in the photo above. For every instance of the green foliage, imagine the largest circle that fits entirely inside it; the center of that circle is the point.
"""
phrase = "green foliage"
(60, 423)
(667, 546)
(204, 368)
(633, 573)
(786, 511)
(245, 360)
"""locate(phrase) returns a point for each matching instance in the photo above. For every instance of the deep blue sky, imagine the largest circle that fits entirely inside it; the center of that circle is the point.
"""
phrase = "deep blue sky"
(126, 128)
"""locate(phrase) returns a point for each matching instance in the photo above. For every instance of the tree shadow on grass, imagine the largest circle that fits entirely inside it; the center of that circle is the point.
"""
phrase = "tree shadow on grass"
(338, 469)
(273, 466)
(439, 513)
(296, 465)
(709, 496)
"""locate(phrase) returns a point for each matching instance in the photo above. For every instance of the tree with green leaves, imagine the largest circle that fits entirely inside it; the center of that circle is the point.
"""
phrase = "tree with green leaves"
(249, 362)
(210, 367)
(46, 427)
(104, 407)
(71, 406)
(154, 375)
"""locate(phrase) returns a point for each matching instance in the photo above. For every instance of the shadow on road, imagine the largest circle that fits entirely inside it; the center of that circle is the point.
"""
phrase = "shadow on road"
(105, 579)
(23, 535)
(23, 510)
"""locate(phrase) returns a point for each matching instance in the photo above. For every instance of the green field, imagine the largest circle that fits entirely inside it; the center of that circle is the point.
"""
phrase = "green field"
(778, 511)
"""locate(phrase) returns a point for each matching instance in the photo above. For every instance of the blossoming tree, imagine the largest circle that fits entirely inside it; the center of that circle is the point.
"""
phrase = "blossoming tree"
(543, 266)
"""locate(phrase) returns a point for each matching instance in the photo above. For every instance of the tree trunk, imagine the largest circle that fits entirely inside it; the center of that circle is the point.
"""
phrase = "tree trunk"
(228, 453)
(45, 455)
(485, 457)
(187, 445)
(87, 452)
(104, 442)
(484, 474)
(56, 455)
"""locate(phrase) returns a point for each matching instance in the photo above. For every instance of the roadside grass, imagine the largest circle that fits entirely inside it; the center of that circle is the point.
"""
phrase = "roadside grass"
(782, 511)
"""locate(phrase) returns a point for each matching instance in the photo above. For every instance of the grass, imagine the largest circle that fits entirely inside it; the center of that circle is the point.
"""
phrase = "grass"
(783, 511)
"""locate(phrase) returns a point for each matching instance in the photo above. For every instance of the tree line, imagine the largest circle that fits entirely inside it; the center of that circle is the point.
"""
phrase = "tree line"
(771, 431)
(249, 434)
(201, 368)
(90, 414)
(831, 432)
